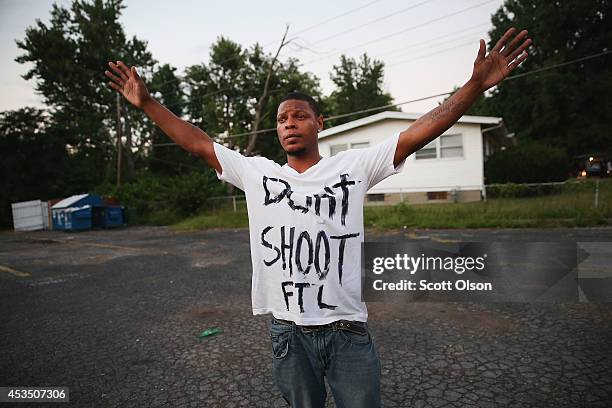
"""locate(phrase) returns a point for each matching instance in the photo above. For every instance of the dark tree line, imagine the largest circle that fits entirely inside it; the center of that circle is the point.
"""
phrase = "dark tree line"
(70, 146)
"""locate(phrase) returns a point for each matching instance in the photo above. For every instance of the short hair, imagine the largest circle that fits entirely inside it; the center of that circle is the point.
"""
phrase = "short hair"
(303, 97)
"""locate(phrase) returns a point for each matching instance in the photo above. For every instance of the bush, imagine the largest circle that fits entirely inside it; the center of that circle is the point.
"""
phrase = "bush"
(530, 162)
(512, 190)
(164, 199)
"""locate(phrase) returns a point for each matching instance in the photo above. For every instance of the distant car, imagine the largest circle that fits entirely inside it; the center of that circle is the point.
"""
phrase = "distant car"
(598, 169)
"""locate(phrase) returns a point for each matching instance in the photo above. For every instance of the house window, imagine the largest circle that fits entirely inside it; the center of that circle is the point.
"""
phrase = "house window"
(437, 195)
(443, 147)
(376, 197)
(427, 152)
(451, 146)
(360, 145)
(335, 149)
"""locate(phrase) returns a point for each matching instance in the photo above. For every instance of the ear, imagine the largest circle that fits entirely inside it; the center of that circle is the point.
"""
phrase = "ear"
(320, 122)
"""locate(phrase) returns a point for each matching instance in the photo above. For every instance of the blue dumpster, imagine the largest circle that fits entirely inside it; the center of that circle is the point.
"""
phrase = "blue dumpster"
(86, 211)
(78, 218)
(113, 216)
(61, 211)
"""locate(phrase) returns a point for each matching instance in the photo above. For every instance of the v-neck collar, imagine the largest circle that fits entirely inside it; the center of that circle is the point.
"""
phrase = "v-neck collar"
(286, 166)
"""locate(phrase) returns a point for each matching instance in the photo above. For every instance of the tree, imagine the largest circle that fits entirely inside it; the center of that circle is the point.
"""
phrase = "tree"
(568, 106)
(28, 134)
(223, 95)
(164, 158)
(68, 59)
(358, 87)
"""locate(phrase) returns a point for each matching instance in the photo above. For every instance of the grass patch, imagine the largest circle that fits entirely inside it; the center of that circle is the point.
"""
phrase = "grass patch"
(215, 219)
(573, 206)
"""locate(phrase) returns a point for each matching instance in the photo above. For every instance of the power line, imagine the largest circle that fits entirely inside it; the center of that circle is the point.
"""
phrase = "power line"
(408, 47)
(384, 37)
(419, 57)
(429, 41)
(562, 64)
(336, 17)
(178, 79)
(376, 20)
(574, 61)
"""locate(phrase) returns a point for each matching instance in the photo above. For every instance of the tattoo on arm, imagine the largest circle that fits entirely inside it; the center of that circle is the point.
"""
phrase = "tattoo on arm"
(448, 107)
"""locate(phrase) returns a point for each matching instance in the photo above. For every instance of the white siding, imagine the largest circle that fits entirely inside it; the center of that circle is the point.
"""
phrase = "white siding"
(440, 174)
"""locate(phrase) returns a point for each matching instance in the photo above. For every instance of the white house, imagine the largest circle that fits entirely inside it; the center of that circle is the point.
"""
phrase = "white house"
(451, 168)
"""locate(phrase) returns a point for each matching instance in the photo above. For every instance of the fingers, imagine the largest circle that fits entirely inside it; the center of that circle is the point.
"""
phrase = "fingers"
(520, 49)
(518, 61)
(135, 73)
(517, 40)
(124, 69)
(115, 78)
(503, 40)
(119, 71)
(116, 87)
(481, 51)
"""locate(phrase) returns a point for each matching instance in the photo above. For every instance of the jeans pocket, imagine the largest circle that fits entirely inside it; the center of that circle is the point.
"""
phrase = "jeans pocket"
(280, 335)
(355, 338)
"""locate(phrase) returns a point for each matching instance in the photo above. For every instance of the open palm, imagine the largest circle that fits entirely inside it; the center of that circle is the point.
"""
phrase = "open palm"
(492, 68)
(128, 83)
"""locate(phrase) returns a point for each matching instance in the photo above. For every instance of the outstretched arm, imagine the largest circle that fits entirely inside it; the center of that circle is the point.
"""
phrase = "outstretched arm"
(128, 83)
(489, 70)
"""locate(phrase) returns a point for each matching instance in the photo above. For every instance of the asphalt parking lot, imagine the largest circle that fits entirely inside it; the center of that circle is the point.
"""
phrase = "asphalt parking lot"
(115, 315)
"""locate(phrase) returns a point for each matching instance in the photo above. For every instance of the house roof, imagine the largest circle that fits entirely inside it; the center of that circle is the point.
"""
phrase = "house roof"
(482, 120)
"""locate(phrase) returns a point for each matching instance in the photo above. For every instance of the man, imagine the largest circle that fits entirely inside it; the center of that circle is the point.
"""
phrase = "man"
(306, 227)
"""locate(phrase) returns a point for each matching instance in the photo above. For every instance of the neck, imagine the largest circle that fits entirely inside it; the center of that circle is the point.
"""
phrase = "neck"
(303, 163)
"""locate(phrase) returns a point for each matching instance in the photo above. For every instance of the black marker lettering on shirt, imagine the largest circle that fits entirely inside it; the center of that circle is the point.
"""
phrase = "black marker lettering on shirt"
(329, 194)
(342, 239)
(269, 245)
(301, 286)
(320, 300)
(285, 293)
(321, 236)
(284, 246)
(298, 252)
(345, 194)
(278, 198)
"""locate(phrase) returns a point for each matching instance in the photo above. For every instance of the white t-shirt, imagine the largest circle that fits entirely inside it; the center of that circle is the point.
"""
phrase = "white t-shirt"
(306, 230)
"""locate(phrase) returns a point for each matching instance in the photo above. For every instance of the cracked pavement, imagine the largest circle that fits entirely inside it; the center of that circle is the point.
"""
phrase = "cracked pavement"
(115, 315)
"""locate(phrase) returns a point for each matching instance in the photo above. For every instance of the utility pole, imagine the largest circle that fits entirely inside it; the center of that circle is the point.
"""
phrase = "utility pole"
(119, 133)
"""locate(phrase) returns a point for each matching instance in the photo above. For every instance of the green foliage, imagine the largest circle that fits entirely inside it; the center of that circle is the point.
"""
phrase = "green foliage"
(512, 190)
(67, 58)
(529, 162)
(165, 200)
(569, 205)
(215, 219)
(358, 87)
(572, 205)
(26, 134)
(223, 94)
(568, 106)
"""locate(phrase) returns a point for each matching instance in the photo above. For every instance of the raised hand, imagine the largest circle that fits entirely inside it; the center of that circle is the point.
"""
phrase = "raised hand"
(128, 83)
(491, 69)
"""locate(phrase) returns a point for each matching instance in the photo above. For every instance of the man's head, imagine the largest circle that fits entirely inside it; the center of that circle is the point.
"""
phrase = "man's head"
(298, 121)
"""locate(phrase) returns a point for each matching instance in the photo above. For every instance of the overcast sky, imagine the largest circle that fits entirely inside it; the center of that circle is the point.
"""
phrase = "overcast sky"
(434, 52)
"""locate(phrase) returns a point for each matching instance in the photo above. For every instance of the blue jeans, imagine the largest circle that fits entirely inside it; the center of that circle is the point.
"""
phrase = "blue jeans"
(303, 358)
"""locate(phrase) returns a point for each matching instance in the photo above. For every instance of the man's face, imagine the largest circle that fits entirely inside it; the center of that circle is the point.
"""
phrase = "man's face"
(297, 126)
